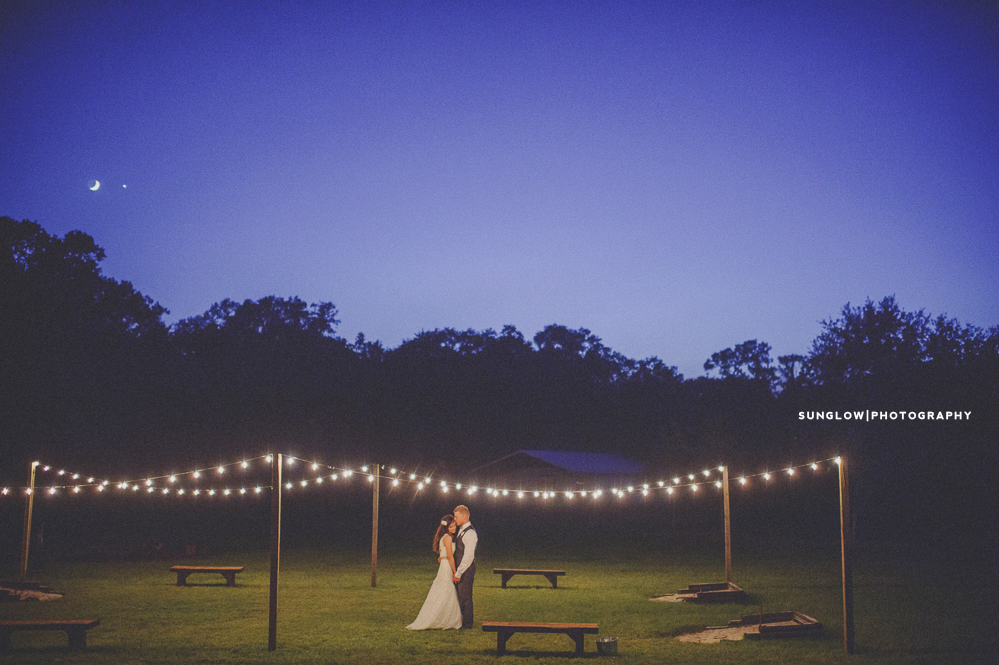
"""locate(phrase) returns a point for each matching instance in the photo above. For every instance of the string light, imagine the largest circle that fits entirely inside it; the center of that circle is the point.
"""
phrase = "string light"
(162, 484)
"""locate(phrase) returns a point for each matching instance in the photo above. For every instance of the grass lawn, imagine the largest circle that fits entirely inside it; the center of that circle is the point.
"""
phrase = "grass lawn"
(906, 612)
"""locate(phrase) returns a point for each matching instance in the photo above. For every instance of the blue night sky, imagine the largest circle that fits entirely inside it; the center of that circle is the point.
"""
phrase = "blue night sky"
(677, 177)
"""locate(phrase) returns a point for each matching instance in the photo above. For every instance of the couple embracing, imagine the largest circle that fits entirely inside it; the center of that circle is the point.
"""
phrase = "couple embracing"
(449, 603)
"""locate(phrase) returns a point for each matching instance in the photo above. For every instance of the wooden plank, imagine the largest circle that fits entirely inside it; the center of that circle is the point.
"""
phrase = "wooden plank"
(505, 629)
(28, 507)
(846, 547)
(275, 542)
(207, 569)
(228, 572)
(375, 484)
(728, 527)
(507, 573)
(76, 630)
(47, 624)
(532, 627)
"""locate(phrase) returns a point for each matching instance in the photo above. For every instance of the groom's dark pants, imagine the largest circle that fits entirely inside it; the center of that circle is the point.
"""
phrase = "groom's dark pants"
(464, 587)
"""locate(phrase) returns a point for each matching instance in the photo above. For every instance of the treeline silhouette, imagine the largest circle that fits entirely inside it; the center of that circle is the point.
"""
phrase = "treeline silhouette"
(94, 379)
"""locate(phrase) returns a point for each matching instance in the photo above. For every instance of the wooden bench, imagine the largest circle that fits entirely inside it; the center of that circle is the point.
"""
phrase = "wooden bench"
(76, 629)
(505, 629)
(228, 572)
(507, 573)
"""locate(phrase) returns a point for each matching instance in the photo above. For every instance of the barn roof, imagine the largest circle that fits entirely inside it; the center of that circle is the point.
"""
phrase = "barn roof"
(573, 462)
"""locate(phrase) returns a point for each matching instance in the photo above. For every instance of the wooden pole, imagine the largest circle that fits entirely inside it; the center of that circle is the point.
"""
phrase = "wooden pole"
(28, 507)
(846, 545)
(728, 528)
(277, 464)
(374, 527)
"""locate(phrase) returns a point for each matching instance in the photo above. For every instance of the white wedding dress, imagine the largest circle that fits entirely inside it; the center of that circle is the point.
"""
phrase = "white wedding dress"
(440, 609)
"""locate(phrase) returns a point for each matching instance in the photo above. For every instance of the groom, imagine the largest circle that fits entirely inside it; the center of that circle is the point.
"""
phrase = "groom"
(464, 555)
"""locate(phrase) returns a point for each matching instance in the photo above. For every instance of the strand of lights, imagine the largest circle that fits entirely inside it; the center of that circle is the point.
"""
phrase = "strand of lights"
(166, 484)
(693, 484)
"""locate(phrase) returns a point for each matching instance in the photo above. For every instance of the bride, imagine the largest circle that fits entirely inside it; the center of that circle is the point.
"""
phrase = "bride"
(440, 609)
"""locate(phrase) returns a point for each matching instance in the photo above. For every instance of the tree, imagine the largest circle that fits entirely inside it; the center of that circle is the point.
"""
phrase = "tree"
(790, 370)
(875, 340)
(269, 366)
(54, 287)
(83, 356)
(749, 360)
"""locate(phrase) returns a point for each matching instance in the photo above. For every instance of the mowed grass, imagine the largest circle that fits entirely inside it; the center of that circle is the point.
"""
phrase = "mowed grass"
(906, 611)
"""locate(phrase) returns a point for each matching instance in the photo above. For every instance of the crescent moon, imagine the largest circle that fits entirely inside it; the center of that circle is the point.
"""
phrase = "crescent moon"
(94, 185)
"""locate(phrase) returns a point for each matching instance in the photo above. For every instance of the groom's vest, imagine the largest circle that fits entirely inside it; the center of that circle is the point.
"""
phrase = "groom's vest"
(459, 548)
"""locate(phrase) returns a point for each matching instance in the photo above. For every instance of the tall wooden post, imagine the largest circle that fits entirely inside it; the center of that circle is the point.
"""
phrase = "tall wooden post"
(728, 528)
(28, 507)
(374, 526)
(846, 546)
(277, 464)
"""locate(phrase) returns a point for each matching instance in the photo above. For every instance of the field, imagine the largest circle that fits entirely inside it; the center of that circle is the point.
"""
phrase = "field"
(909, 609)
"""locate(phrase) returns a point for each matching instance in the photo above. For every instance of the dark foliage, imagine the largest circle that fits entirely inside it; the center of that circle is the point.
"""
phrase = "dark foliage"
(92, 377)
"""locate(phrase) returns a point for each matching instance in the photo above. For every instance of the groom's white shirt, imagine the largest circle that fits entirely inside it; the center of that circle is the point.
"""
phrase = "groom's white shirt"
(468, 556)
